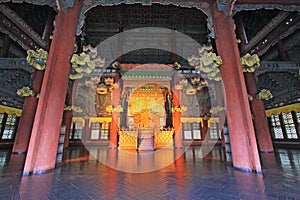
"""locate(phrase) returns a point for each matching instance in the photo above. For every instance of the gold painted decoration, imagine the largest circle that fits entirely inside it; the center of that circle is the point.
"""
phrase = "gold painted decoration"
(176, 65)
(10, 110)
(102, 89)
(250, 62)
(284, 109)
(92, 51)
(80, 59)
(264, 94)
(179, 109)
(109, 80)
(92, 82)
(115, 85)
(207, 62)
(99, 120)
(118, 109)
(80, 120)
(75, 76)
(37, 59)
(26, 92)
(109, 109)
(99, 62)
(85, 62)
(216, 109)
(116, 65)
(250, 97)
(73, 108)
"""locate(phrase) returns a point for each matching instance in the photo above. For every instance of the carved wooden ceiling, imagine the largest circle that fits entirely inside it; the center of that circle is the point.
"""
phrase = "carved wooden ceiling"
(272, 33)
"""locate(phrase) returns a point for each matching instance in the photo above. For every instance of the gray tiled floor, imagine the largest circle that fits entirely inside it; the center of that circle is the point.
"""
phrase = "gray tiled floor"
(84, 176)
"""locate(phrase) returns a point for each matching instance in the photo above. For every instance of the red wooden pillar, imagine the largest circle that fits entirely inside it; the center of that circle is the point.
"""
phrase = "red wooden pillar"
(42, 150)
(243, 142)
(262, 130)
(176, 118)
(115, 115)
(30, 103)
(257, 106)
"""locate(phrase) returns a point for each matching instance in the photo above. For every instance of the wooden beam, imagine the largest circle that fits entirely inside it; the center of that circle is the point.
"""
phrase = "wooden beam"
(18, 30)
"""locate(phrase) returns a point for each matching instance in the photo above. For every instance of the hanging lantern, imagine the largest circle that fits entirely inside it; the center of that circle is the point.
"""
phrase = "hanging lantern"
(37, 59)
(250, 62)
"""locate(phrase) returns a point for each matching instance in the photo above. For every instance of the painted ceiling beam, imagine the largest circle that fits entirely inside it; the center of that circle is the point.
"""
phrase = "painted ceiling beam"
(281, 26)
(15, 63)
(18, 30)
(276, 66)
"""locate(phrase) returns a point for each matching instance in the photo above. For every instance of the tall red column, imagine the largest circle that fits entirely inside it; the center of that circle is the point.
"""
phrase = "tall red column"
(42, 150)
(177, 118)
(262, 130)
(28, 112)
(30, 103)
(115, 115)
(261, 126)
(243, 142)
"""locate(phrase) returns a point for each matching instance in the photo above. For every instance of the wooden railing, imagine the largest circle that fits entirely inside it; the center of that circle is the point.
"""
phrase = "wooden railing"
(128, 139)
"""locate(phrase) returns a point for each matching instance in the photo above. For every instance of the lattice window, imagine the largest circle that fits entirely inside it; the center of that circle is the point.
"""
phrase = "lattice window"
(289, 126)
(187, 131)
(298, 117)
(76, 131)
(1, 120)
(191, 131)
(276, 127)
(10, 127)
(104, 131)
(196, 131)
(214, 131)
(100, 131)
(95, 131)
